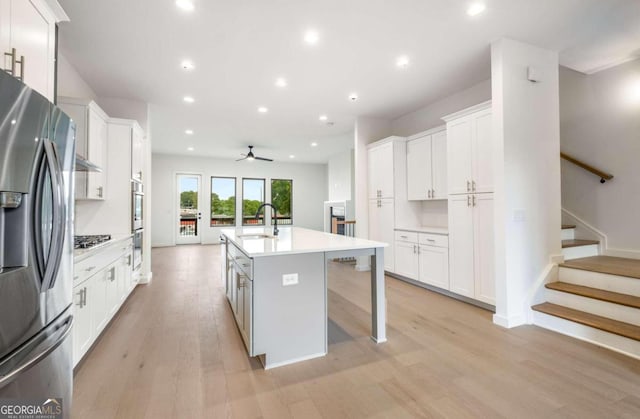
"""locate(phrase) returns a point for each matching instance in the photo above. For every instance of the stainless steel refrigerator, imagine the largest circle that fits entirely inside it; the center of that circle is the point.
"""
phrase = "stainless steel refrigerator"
(37, 151)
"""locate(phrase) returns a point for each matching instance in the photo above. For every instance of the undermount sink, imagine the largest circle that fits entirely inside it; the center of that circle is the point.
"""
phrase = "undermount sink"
(256, 236)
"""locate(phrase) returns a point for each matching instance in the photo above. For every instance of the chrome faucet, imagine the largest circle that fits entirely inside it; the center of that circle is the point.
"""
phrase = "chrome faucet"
(275, 216)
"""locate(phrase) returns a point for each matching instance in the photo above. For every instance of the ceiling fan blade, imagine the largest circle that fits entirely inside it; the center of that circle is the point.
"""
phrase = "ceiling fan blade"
(244, 158)
(262, 158)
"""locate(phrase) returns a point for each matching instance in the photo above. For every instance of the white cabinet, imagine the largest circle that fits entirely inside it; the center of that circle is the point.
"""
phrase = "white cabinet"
(28, 27)
(239, 290)
(434, 265)
(381, 217)
(423, 257)
(470, 150)
(427, 165)
(471, 244)
(102, 282)
(91, 144)
(407, 262)
(381, 171)
(82, 328)
(137, 153)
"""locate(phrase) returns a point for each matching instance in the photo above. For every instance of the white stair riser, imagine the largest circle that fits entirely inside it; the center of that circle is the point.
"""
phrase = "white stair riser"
(598, 337)
(580, 252)
(568, 233)
(602, 281)
(600, 308)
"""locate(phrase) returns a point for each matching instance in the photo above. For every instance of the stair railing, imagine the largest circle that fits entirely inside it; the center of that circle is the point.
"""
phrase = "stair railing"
(604, 176)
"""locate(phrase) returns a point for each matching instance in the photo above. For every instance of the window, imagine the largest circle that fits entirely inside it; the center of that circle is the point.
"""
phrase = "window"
(281, 196)
(252, 198)
(223, 201)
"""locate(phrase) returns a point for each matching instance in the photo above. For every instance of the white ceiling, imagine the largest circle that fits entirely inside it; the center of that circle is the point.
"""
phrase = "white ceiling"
(133, 49)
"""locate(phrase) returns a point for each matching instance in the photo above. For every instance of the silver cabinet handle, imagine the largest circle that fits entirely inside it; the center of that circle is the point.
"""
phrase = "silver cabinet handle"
(429, 193)
(90, 268)
(100, 191)
(15, 61)
(468, 186)
(433, 193)
(474, 200)
(468, 200)
(431, 240)
(404, 237)
(414, 249)
(473, 185)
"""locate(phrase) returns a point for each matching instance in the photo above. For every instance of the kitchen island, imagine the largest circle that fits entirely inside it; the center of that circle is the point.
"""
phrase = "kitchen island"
(277, 289)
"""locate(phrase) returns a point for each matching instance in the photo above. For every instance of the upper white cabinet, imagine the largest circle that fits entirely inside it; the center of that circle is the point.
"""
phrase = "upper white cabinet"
(91, 144)
(470, 150)
(28, 41)
(137, 153)
(381, 171)
(427, 165)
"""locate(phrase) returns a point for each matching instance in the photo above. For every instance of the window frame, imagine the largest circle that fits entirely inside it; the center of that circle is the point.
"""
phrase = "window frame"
(235, 207)
(264, 197)
(291, 199)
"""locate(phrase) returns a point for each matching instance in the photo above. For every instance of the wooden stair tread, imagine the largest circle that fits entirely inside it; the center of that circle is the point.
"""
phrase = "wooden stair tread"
(595, 293)
(568, 226)
(598, 322)
(578, 242)
(606, 265)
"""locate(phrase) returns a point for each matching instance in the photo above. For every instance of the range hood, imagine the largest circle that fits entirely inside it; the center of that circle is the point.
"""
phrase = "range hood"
(84, 165)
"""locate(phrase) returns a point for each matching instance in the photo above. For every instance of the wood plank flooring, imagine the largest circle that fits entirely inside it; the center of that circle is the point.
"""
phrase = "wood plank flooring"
(173, 351)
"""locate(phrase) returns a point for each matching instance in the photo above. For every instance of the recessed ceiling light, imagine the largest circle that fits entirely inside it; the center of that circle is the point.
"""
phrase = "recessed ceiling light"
(402, 61)
(187, 65)
(314, 144)
(281, 82)
(188, 131)
(185, 5)
(190, 148)
(323, 117)
(263, 109)
(188, 99)
(291, 156)
(311, 37)
(476, 9)
(13, 122)
(353, 97)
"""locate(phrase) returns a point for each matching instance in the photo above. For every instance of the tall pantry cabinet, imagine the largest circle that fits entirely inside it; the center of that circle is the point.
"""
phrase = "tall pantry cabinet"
(471, 186)
(387, 193)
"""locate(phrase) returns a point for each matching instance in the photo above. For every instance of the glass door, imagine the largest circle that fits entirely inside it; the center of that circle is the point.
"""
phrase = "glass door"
(189, 214)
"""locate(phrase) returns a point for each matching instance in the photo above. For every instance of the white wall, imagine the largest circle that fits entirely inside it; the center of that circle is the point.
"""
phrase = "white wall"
(600, 125)
(340, 174)
(309, 191)
(527, 170)
(430, 116)
(70, 83)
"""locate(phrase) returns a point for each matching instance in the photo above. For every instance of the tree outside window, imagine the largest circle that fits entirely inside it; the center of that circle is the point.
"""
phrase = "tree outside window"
(281, 197)
(223, 201)
(252, 198)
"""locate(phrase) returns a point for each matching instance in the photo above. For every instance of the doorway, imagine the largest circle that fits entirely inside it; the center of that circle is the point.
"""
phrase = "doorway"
(189, 214)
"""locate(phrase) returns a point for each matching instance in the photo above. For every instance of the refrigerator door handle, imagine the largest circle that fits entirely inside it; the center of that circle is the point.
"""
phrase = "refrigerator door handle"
(60, 334)
(58, 228)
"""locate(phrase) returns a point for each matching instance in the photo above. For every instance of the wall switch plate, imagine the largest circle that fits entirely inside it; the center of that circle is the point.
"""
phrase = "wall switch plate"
(289, 279)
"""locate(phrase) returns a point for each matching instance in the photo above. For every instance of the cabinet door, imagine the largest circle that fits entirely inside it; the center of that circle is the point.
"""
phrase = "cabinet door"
(439, 165)
(373, 188)
(419, 172)
(82, 328)
(482, 149)
(100, 302)
(113, 291)
(434, 266)
(459, 166)
(483, 238)
(384, 169)
(32, 37)
(97, 143)
(406, 263)
(461, 242)
(247, 293)
(386, 232)
(137, 155)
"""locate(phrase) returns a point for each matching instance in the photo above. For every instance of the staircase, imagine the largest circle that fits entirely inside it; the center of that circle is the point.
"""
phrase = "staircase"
(596, 298)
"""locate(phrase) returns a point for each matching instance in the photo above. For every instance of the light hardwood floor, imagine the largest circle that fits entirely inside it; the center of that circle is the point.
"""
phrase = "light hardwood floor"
(174, 351)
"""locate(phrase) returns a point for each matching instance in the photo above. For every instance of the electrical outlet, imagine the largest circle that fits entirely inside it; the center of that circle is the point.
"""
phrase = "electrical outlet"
(289, 279)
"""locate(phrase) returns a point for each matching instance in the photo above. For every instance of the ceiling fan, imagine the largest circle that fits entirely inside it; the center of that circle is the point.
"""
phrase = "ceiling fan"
(250, 156)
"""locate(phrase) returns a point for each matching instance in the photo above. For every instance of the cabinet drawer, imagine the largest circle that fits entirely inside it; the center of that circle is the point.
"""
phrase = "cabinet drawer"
(437, 240)
(406, 236)
(242, 261)
(100, 259)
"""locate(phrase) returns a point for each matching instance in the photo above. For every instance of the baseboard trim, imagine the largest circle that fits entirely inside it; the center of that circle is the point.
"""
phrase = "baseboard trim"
(509, 322)
(623, 253)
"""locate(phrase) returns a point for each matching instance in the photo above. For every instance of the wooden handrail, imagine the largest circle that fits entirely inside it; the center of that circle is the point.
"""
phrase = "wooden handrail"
(602, 175)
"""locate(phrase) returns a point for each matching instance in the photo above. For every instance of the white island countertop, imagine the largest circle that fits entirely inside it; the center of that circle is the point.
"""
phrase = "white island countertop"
(293, 240)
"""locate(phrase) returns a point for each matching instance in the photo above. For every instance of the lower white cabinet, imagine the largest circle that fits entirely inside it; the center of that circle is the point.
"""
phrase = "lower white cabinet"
(423, 257)
(471, 249)
(239, 290)
(102, 282)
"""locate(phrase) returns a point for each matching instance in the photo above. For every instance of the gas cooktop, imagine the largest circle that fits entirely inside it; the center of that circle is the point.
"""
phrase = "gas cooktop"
(85, 242)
